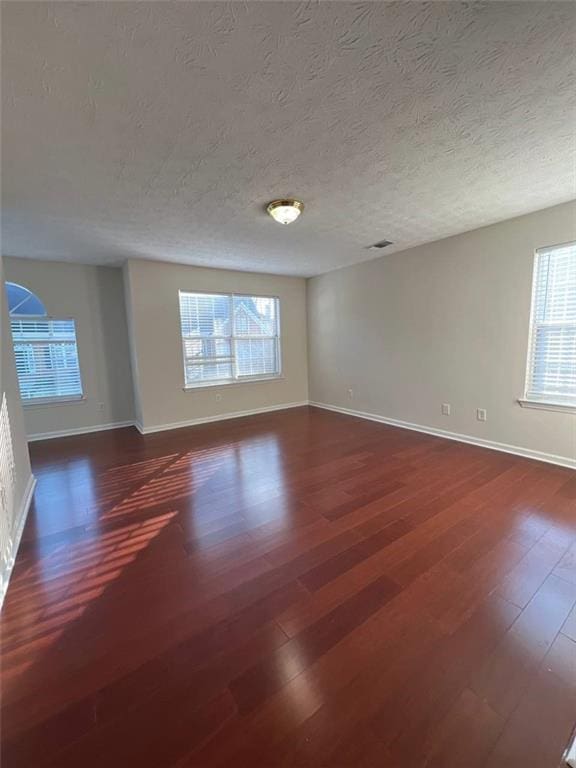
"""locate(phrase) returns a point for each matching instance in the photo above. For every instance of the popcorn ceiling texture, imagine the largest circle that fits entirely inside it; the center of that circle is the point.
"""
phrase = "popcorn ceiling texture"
(160, 130)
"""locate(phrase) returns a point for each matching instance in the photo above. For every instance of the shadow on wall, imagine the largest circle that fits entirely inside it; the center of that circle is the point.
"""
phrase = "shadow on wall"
(110, 306)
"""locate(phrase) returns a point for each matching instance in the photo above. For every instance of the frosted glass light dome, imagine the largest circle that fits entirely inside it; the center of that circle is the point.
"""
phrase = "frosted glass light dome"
(285, 211)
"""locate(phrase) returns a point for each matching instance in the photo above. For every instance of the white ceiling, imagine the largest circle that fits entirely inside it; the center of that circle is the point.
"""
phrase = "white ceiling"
(160, 130)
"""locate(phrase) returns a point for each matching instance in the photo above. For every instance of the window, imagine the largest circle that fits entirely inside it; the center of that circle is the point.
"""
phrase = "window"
(44, 348)
(21, 301)
(551, 375)
(228, 338)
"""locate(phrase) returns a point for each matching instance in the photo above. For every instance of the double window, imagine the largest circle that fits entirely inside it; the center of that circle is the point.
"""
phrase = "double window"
(44, 348)
(229, 338)
(551, 376)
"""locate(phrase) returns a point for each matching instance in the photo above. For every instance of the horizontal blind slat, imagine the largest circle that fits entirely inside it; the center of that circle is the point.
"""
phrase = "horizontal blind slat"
(227, 337)
(46, 358)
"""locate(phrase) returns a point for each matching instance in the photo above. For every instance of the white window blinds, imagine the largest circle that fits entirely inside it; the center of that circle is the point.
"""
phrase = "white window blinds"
(228, 337)
(552, 353)
(46, 359)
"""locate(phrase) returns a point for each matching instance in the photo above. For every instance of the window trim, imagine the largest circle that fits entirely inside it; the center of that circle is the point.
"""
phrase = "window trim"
(207, 384)
(40, 402)
(545, 403)
(63, 400)
(226, 383)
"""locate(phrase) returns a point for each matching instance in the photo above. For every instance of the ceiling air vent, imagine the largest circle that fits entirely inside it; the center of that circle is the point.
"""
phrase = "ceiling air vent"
(380, 244)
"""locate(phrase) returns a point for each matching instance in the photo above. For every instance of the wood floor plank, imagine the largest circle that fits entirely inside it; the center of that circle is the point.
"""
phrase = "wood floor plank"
(298, 589)
(566, 568)
(569, 627)
(384, 693)
(467, 734)
(539, 730)
(271, 674)
(322, 574)
(508, 672)
(522, 583)
(410, 721)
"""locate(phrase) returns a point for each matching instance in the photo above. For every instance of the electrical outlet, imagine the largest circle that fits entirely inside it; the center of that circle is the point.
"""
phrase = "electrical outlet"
(350, 393)
(100, 406)
(218, 398)
(446, 409)
(481, 414)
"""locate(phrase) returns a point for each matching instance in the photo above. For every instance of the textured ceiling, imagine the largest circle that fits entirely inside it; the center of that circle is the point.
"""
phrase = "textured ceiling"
(161, 130)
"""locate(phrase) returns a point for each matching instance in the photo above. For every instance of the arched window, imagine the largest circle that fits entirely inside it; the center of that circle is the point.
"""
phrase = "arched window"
(21, 301)
(44, 348)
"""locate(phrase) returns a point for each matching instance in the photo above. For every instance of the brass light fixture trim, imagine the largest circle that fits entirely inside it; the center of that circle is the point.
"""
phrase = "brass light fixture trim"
(286, 210)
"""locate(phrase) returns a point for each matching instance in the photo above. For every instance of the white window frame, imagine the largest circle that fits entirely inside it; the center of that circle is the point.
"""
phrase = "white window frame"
(529, 399)
(236, 380)
(55, 399)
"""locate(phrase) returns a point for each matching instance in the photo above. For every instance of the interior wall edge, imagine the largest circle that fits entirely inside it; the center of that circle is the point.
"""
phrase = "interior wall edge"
(516, 450)
(163, 427)
(93, 296)
(21, 518)
(79, 431)
(154, 321)
(527, 453)
(144, 430)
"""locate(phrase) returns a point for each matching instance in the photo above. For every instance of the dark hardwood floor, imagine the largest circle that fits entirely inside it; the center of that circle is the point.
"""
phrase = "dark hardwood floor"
(297, 589)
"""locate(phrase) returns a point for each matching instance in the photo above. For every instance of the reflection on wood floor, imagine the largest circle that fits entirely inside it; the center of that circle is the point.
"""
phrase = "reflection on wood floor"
(296, 589)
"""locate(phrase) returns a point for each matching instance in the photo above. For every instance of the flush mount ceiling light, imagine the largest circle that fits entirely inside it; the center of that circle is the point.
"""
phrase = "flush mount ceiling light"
(285, 211)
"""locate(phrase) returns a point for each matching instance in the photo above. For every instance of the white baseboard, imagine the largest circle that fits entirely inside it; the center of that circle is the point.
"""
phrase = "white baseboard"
(17, 536)
(79, 431)
(550, 458)
(527, 453)
(219, 417)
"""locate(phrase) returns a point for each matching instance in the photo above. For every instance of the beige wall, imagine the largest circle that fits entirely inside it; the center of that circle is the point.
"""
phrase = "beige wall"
(94, 297)
(442, 323)
(16, 471)
(154, 321)
(445, 322)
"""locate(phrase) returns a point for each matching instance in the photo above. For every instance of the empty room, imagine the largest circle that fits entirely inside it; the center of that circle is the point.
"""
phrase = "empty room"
(288, 384)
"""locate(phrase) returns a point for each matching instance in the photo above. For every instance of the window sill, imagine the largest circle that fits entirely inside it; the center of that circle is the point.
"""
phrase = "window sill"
(218, 384)
(545, 405)
(52, 401)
